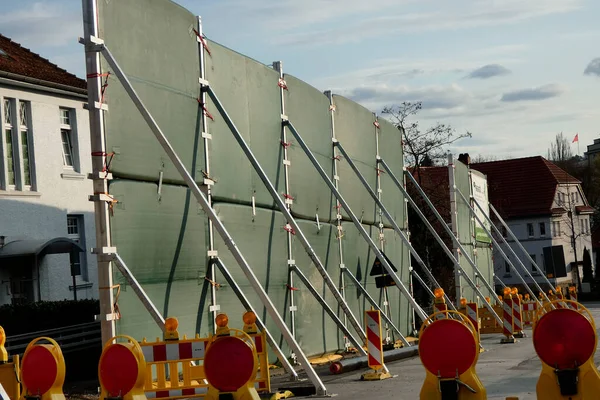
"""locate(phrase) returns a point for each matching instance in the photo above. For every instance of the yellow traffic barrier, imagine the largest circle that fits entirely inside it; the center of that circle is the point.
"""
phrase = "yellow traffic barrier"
(9, 370)
(122, 370)
(231, 364)
(449, 349)
(375, 348)
(565, 340)
(529, 310)
(188, 356)
(439, 303)
(43, 371)
(488, 322)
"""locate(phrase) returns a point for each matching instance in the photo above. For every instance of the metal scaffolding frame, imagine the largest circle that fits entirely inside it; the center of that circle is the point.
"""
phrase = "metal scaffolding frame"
(436, 235)
(515, 270)
(355, 220)
(392, 221)
(514, 237)
(96, 45)
(495, 228)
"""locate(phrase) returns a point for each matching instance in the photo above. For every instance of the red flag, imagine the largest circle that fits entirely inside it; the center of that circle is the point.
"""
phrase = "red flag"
(576, 138)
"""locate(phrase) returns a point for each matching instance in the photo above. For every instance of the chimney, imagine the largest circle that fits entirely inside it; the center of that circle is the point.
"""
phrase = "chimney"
(464, 158)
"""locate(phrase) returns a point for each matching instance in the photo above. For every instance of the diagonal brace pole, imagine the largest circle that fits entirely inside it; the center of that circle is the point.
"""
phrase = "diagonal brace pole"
(221, 229)
(502, 253)
(246, 303)
(446, 250)
(286, 212)
(375, 305)
(356, 222)
(387, 214)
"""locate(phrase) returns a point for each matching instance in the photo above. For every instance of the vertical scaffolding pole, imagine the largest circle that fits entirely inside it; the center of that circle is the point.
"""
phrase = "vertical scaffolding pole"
(278, 66)
(384, 291)
(292, 224)
(454, 222)
(220, 228)
(512, 235)
(436, 235)
(338, 215)
(206, 137)
(462, 196)
(103, 248)
(392, 221)
(357, 223)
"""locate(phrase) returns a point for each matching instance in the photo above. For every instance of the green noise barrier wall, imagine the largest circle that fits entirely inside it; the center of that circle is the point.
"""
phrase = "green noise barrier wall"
(162, 233)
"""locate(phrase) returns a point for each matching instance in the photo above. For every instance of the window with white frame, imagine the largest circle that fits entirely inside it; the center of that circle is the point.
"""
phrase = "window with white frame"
(10, 179)
(75, 232)
(556, 228)
(67, 134)
(25, 142)
(17, 166)
(587, 225)
(582, 226)
(542, 229)
(530, 232)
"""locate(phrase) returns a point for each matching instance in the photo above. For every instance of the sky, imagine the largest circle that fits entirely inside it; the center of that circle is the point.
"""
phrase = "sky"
(513, 73)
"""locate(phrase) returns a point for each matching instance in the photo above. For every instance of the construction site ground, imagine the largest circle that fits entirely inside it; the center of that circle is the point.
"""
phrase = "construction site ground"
(504, 369)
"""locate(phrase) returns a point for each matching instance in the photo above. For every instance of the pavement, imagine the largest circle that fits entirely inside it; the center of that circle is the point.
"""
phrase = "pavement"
(504, 369)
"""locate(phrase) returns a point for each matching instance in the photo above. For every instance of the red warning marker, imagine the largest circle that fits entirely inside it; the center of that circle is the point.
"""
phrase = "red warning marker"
(39, 369)
(446, 346)
(229, 364)
(118, 370)
(564, 339)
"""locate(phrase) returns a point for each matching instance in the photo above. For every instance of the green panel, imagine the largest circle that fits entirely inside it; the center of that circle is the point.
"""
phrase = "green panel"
(390, 149)
(154, 44)
(308, 110)
(359, 259)
(485, 263)
(163, 242)
(263, 243)
(465, 225)
(355, 130)
(249, 93)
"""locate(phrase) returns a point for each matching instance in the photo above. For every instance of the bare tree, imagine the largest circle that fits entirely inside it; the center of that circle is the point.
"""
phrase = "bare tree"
(560, 149)
(421, 145)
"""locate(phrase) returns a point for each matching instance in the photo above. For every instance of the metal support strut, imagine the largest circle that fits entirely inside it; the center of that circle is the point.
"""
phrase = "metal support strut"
(288, 216)
(227, 239)
(435, 234)
(356, 222)
(389, 217)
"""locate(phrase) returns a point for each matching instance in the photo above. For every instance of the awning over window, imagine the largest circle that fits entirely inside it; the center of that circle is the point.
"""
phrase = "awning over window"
(39, 247)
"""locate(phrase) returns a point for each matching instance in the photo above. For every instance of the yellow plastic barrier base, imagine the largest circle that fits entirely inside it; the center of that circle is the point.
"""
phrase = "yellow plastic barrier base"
(375, 376)
(431, 387)
(588, 384)
(281, 395)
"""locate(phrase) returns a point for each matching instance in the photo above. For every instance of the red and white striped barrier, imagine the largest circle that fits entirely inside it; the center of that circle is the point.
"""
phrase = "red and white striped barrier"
(163, 394)
(440, 307)
(179, 351)
(517, 319)
(374, 343)
(529, 309)
(507, 328)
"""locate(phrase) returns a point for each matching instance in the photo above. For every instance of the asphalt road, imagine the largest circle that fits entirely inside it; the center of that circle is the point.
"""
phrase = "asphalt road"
(504, 369)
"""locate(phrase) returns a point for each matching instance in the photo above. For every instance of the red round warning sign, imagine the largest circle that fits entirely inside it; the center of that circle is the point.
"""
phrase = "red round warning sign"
(38, 370)
(118, 370)
(446, 346)
(228, 363)
(564, 338)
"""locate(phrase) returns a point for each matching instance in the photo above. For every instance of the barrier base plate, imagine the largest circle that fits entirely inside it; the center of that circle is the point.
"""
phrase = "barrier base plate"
(520, 335)
(375, 376)
(508, 340)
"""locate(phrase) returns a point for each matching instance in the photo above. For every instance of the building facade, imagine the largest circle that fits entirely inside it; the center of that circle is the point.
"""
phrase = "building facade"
(547, 211)
(46, 220)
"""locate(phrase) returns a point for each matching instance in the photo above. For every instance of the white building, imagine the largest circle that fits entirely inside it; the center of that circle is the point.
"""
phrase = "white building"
(545, 208)
(46, 220)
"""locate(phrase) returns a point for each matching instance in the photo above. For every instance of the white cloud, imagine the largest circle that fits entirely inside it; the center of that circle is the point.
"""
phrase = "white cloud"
(43, 24)
(533, 94)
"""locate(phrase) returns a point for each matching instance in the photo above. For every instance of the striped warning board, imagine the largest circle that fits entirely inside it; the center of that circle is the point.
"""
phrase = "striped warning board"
(473, 315)
(507, 318)
(442, 308)
(163, 394)
(178, 351)
(374, 342)
(517, 320)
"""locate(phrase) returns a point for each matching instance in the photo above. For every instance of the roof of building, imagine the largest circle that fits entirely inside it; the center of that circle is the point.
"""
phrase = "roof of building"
(523, 186)
(21, 61)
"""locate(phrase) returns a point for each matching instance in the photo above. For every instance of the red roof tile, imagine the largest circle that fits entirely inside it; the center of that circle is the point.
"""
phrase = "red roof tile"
(18, 60)
(523, 186)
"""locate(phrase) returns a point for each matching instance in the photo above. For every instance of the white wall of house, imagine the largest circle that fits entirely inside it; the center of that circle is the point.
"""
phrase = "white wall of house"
(40, 211)
(556, 231)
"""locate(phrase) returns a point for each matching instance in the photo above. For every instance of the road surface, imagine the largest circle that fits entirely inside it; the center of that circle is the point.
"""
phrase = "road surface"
(504, 369)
